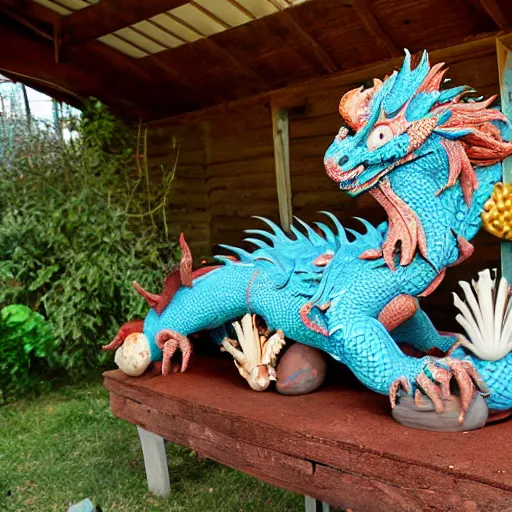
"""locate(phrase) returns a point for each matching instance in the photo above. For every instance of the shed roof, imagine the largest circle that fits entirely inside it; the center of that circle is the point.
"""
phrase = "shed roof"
(158, 58)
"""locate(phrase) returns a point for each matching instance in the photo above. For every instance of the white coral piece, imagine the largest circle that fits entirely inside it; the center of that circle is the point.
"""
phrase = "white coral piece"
(486, 317)
(256, 361)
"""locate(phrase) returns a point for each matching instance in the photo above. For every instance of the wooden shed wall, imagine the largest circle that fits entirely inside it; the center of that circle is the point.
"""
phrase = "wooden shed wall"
(240, 177)
(188, 205)
(227, 171)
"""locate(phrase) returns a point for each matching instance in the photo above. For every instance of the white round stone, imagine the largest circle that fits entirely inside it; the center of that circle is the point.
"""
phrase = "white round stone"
(133, 357)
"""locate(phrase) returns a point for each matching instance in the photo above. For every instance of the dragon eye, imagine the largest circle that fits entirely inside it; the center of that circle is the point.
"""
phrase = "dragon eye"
(379, 136)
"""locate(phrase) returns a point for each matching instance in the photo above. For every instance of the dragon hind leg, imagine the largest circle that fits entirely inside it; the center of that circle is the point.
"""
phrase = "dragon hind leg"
(169, 341)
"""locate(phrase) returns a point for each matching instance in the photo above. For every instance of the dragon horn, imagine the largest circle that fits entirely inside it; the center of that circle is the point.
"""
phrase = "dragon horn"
(151, 298)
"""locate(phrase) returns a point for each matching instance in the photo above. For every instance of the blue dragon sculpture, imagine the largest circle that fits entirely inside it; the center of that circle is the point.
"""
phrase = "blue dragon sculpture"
(431, 159)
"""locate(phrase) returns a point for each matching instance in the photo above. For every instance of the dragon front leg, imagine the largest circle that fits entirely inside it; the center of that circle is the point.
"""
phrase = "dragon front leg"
(364, 345)
(169, 341)
(419, 332)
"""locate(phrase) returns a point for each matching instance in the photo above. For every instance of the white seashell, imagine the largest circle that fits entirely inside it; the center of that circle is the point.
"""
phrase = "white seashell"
(257, 358)
(486, 317)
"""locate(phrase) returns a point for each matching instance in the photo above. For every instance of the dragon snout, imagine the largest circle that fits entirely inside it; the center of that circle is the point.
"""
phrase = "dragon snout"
(345, 178)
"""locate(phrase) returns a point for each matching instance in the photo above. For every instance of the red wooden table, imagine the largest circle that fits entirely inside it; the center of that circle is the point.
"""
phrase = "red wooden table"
(339, 444)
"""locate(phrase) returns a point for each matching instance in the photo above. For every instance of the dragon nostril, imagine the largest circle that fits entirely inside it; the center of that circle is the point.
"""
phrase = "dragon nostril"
(343, 161)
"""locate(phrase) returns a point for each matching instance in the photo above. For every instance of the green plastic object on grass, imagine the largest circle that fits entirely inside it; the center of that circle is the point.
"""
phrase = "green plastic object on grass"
(26, 347)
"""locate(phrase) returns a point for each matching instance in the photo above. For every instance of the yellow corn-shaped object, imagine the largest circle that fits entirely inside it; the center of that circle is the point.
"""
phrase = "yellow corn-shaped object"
(497, 215)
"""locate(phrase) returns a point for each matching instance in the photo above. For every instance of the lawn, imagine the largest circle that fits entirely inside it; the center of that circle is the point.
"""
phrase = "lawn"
(66, 445)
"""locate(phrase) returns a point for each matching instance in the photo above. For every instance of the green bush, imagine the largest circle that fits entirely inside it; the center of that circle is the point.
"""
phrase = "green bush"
(78, 223)
(26, 347)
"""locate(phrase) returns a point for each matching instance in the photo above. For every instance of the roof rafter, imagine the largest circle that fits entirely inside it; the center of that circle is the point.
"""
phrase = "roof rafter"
(495, 12)
(373, 27)
(246, 70)
(320, 54)
(108, 16)
(32, 60)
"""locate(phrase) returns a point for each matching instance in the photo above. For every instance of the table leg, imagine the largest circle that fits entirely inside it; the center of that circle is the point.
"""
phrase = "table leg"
(314, 505)
(155, 462)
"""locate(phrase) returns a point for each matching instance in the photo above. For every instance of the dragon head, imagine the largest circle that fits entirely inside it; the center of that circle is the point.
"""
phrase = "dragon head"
(400, 119)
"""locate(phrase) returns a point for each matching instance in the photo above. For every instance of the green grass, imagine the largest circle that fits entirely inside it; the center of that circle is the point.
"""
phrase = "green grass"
(66, 445)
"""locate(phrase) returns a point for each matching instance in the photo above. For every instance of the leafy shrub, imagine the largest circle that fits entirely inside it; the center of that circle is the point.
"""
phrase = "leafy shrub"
(75, 232)
(26, 347)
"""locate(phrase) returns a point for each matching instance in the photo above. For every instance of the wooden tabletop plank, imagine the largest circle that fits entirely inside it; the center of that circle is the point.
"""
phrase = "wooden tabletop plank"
(341, 428)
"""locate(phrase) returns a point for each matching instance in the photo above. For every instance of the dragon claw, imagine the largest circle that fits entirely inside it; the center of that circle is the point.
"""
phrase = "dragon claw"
(434, 382)
(466, 376)
(169, 342)
(400, 383)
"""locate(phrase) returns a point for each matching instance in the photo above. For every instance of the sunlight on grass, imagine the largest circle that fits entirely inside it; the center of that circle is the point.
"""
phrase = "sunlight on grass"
(66, 446)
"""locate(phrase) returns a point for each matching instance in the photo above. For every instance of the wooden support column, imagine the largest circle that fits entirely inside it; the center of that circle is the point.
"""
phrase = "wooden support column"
(282, 162)
(504, 53)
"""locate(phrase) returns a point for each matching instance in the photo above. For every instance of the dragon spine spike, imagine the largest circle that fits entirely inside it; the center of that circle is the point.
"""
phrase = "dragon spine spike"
(369, 228)
(261, 244)
(260, 232)
(298, 235)
(151, 298)
(327, 231)
(313, 236)
(488, 319)
(185, 263)
(339, 227)
(357, 236)
(273, 226)
(243, 254)
(223, 259)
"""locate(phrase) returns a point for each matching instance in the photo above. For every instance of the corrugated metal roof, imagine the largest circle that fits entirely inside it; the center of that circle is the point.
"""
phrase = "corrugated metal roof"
(182, 25)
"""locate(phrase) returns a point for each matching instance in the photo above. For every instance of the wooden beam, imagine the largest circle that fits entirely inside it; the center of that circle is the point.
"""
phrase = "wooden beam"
(210, 15)
(194, 87)
(293, 95)
(29, 10)
(108, 16)
(31, 58)
(280, 131)
(137, 78)
(242, 9)
(495, 13)
(504, 54)
(374, 29)
(52, 90)
(320, 54)
(246, 70)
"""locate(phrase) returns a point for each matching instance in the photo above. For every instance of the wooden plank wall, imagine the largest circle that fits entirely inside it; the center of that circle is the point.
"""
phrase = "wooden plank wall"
(188, 206)
(227, 163)
(240, 178)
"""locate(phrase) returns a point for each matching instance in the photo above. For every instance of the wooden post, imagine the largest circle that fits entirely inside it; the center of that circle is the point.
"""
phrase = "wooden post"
(504, 53)
(155, 462)
(282, 160)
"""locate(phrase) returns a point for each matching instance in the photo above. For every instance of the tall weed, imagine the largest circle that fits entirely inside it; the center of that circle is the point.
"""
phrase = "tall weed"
(75, 230)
